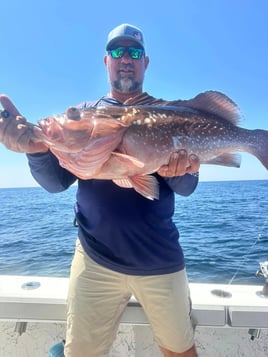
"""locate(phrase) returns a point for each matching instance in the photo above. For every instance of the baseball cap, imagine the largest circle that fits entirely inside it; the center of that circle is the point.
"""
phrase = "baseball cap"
(125, 32)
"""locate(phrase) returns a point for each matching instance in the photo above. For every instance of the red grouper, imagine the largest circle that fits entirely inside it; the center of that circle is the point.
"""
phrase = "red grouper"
(127, 143)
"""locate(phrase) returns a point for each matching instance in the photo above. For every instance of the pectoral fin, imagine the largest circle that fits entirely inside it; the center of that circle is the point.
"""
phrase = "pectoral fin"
(146, 185)
(127, 160)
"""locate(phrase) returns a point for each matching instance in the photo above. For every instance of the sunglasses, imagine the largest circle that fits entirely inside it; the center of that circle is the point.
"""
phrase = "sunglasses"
(134, 52)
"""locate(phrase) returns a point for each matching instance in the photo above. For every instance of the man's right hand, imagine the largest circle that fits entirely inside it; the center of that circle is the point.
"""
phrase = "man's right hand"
(15, 132)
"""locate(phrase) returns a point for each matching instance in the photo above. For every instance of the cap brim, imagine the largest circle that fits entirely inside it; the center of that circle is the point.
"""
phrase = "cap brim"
(121, 38)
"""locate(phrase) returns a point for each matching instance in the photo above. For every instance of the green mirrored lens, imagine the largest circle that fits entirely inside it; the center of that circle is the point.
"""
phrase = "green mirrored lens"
(117, 52)
(134, 53)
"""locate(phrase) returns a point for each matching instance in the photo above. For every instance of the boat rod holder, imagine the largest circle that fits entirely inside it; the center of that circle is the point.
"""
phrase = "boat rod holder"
(263, 272)
(21, 326)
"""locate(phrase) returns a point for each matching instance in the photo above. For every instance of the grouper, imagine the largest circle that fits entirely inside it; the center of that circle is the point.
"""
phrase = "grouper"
(128, 143)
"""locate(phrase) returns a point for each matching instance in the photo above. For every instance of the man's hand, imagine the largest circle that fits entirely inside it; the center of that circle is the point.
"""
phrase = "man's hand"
(180, 164)
(15, 132)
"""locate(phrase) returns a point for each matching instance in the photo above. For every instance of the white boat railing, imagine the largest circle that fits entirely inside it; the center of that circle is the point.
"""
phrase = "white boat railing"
(43, 299)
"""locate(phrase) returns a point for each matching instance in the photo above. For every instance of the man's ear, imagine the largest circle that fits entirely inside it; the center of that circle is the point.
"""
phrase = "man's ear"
(146, 61)
(105, 60)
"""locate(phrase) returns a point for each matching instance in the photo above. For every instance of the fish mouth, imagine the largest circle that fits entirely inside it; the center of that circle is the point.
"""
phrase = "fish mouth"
(46, 124)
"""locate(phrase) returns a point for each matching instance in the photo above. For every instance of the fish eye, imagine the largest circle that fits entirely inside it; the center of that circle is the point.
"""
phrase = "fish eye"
(73, 113)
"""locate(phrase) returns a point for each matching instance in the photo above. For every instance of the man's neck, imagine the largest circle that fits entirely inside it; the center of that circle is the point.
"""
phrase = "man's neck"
(122, 97)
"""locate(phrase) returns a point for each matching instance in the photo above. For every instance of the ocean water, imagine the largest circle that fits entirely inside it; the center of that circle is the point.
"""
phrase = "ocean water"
(223, 231)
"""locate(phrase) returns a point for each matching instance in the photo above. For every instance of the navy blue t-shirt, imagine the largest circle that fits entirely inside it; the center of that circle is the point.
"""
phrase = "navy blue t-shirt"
(117, 227)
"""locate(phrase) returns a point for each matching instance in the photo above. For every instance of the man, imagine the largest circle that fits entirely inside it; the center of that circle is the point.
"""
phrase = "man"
(128, 245)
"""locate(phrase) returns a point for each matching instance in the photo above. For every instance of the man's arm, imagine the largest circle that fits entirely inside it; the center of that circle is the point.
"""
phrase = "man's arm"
(46, 170)
(183, 185)
(17, 134)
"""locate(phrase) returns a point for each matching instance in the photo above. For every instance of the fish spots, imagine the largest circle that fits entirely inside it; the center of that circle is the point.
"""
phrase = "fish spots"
(147, 118)
(148, 121)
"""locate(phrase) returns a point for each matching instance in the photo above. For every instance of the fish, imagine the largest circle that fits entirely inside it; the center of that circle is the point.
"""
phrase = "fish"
(128, 143)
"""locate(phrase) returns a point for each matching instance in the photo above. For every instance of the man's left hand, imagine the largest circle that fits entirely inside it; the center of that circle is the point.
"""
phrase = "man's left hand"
(180, 164)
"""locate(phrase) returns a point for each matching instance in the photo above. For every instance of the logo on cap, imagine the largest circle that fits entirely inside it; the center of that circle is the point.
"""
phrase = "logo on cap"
(138, 36)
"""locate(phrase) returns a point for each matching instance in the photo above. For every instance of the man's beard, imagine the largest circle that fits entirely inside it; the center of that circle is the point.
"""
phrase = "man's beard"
(126, 85)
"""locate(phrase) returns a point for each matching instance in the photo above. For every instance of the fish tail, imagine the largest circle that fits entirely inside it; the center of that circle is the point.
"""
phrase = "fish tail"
(260, 149)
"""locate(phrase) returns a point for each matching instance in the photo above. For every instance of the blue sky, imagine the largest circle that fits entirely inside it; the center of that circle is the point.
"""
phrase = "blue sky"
(52, 57)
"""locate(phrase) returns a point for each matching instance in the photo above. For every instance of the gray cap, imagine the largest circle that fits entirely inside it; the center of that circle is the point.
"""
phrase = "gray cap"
(125, 32)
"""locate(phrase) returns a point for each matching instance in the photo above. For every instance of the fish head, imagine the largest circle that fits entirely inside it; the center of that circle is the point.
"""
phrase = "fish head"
(83, 140)
(66, 132)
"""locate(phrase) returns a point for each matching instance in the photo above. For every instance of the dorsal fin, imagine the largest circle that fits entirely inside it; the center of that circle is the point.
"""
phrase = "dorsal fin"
(216, 103)
(212, 102)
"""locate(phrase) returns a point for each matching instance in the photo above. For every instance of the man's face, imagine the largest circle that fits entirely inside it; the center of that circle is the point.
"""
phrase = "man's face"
(126, 74)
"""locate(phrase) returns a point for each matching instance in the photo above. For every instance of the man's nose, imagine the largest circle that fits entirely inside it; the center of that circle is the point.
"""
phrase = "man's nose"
(126, 58)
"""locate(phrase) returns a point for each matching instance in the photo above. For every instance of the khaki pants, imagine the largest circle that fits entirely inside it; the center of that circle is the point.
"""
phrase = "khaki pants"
(98, 296)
